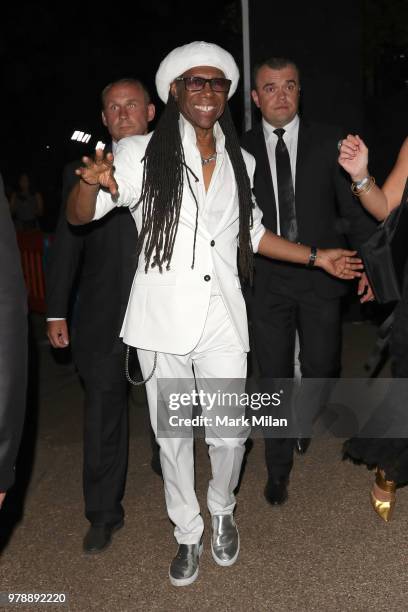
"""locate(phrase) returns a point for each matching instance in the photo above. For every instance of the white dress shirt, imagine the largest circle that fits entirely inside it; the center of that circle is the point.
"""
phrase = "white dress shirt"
(167, 311)
(290, 138)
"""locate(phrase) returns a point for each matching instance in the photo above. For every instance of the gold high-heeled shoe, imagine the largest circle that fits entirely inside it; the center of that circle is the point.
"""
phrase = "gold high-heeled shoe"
(384, 509)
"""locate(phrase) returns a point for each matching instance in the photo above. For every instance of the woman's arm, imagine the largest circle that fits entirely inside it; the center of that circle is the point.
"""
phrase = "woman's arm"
(393, 187)
(379, 202)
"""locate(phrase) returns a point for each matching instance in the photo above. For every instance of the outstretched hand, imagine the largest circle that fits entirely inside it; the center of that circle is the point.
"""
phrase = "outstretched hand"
(99, 171)
(340, 263)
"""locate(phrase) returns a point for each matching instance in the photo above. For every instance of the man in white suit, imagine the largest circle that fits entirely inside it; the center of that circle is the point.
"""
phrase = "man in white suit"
(189, 188)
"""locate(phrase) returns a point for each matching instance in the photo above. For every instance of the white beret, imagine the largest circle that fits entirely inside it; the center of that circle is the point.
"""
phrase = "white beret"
(194, 54)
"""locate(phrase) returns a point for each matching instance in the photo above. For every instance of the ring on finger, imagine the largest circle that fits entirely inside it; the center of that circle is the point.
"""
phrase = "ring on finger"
(340, 142)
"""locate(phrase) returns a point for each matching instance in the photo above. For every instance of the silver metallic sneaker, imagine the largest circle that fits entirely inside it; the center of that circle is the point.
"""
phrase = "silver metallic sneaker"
(225, 539)
(184, 567)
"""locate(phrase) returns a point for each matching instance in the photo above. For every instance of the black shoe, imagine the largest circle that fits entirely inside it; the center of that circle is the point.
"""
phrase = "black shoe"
(99, 537)
(276, 491)
(301, 445)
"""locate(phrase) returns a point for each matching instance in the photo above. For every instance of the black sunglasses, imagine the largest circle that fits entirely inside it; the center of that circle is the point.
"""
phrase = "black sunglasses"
(193, 83)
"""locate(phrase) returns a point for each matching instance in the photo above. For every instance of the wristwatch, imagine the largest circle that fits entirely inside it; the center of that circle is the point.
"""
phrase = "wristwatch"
(312, 257)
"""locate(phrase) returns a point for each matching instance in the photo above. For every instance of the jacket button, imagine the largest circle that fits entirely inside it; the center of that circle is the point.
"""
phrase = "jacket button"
(207, 277)
(212, 243)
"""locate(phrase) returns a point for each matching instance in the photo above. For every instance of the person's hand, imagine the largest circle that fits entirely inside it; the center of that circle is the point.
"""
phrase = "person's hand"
(99, 171)
(364, 289)
(57, 332)
(2, 496)
(340, 263)
(354, 157)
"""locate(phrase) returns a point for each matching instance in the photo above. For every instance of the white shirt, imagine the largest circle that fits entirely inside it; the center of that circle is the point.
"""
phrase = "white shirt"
(211, 204)
(167, 311)
(290, 138)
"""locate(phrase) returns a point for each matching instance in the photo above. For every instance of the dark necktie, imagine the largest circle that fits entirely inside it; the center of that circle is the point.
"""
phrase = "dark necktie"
(286, 193)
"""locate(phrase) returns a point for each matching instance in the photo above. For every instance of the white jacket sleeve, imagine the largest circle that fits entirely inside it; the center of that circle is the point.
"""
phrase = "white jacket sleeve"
(258, 229)
(128, 175)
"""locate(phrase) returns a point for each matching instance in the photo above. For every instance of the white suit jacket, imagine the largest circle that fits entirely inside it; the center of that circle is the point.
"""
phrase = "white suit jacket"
(167, 311)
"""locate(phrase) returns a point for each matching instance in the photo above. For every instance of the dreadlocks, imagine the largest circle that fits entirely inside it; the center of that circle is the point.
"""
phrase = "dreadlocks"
(244, 195)
(162, 191)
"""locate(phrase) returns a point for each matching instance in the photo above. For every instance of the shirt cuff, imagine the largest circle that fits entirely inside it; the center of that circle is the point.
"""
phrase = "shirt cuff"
(256, 237)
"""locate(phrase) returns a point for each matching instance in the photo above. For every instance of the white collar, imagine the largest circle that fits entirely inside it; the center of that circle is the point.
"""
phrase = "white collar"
(188, 135)
(290, 128)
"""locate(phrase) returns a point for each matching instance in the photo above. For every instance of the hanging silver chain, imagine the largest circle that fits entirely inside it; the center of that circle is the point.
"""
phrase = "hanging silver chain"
(137, 383)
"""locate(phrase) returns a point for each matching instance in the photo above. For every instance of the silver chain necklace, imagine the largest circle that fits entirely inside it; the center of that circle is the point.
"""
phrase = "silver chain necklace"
(207, 160)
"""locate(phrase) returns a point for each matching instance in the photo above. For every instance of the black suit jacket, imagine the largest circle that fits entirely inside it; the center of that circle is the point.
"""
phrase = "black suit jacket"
(13, 345)
(104, 253)
(326, 210)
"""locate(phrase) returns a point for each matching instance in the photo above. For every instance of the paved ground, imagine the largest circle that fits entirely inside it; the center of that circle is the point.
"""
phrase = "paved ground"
(324, 550)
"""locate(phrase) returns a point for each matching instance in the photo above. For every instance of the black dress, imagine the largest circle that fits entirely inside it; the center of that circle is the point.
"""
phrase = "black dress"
(390, 454)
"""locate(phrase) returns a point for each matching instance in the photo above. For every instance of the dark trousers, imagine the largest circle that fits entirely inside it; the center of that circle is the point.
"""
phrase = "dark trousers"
(105, 433)
(275, 319)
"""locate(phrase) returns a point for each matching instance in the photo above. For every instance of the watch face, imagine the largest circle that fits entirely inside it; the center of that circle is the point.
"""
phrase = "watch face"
(312, 257)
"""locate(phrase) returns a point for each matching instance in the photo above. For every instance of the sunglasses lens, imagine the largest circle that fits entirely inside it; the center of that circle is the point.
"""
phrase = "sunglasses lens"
(194, 83)
(220, 84)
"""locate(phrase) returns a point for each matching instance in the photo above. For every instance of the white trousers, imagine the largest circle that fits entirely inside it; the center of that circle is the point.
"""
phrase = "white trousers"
(218, 354)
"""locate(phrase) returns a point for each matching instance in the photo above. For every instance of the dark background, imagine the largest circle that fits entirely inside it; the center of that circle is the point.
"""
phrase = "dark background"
(56, 58)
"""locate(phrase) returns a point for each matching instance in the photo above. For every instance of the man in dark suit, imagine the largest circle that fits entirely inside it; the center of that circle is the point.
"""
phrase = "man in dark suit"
(13, 347)
(103, 256)
(302, 193)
